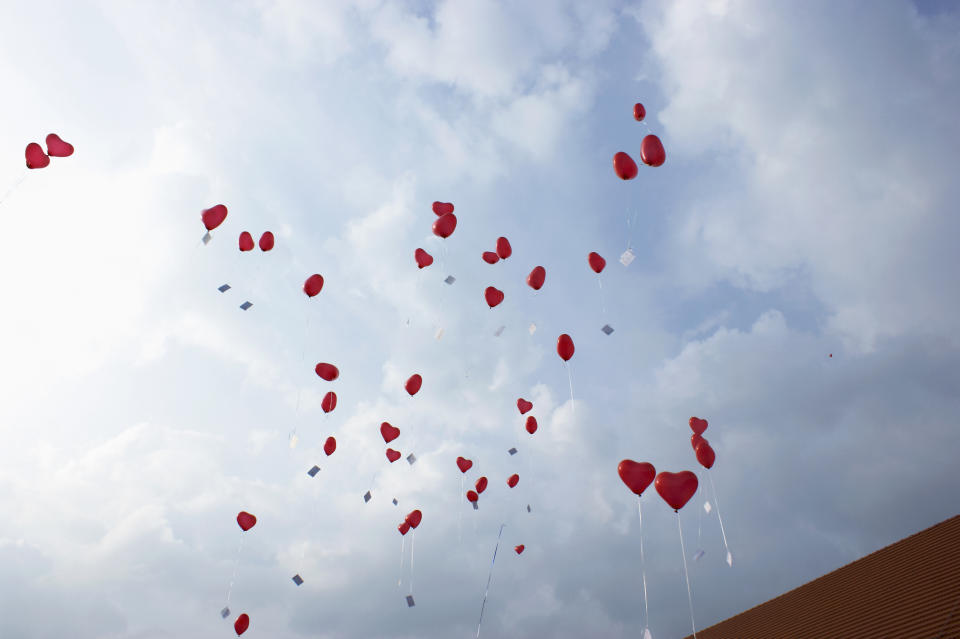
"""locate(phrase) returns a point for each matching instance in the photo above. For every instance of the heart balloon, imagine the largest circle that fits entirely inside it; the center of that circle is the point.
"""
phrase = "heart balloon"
(636, 475)
(241, 624)
(524, 406)
(504, 249)
(246, 520)
(531, 424)
(214, 216)
(246, 241)
(624, 166)
(513, 480)
(404, 528)
(36, 158)
(464, 464)
(651, 151)
(414, 518)
(444, 225)
(330, 446)
(696, 439)
(490, 257)
(705, 454)
(472, 496)
(597, 263)
(423, 258)
(393, 455)
(329, 402)
(698, 425)
(518, 549)
(57, 148)
(413, 384)
(493, 296)
(313, 285)
(389, 432)
(442, 208)
(266, 241)
(676, 488)
(328, 372)
(481, 485)
(536, 278)
(565, 347)
(639, 112)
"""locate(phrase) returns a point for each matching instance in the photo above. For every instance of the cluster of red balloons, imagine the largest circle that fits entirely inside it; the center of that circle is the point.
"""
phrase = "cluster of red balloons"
(651, 151)
(266, 242)
(56, 148)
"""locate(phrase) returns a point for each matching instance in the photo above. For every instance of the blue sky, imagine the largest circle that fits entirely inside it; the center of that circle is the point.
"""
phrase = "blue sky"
(806, 207)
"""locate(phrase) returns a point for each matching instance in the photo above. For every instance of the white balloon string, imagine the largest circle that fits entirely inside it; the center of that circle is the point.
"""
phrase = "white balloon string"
(715, 501)
(603, 304)
(17, 183)
(643, 569)
(236, 562)
(683, 551)
(413, 538)
(489, 577)
(573, 407)
(403, 546)
(460, 512)
(700, 510)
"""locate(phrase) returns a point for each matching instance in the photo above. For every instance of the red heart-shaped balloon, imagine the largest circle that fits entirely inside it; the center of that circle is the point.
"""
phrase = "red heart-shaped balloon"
(36, 158)
(518, 549)
(214, 216)
(490, 257)
(481, 485)
(328, 372)
(624, 166)
(597, 263)
(537, 277)
(388, 432)
(246, 241)
(524, 406)
(313, 285)
(404, 528)
(241, 624)
(330, 446)
(329, 402)
(423, 258)
(531, 424)
(246, 520)
(413, 384)
(504, 249)
(636, 475)
(639, 112)
(444, 225)
(565, 347)
(57, 148)
(513, 480)
(472, 496)
(442, 208)
(695, 439)
(464, 464)
(414, 518)
(266, 241)
(705, 454)
(698, 425)
(393, 455)
(651, 151)
(676, 488)
(493, 296)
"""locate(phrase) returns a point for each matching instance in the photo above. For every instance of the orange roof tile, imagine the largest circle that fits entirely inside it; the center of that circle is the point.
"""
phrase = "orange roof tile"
(910, 589)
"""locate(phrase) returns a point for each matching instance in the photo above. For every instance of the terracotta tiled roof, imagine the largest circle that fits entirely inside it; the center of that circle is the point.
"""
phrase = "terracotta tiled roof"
(910, 589)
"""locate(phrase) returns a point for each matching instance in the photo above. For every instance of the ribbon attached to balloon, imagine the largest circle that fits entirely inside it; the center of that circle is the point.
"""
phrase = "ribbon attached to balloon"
(643, 573)
(489, 577)
(722, 532)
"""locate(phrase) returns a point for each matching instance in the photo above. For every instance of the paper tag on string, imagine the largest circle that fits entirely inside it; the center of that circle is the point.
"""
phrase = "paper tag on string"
(729, 559)
(528, 507)
(294, 440)
(206, 238)
(410, 603)
(246, 305)
(367, 496)
(439, 333)
(225, 613)
(475, 507)
(627, 257)
(607, 329)
(533, 328)
(297, 579)
(223, 288)
(646, 634)
(394, 501)
(499, 331)
(450, 279)
(313, 471)
(512, 451)
(411, 458)
(707, 507)
(697, 555)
